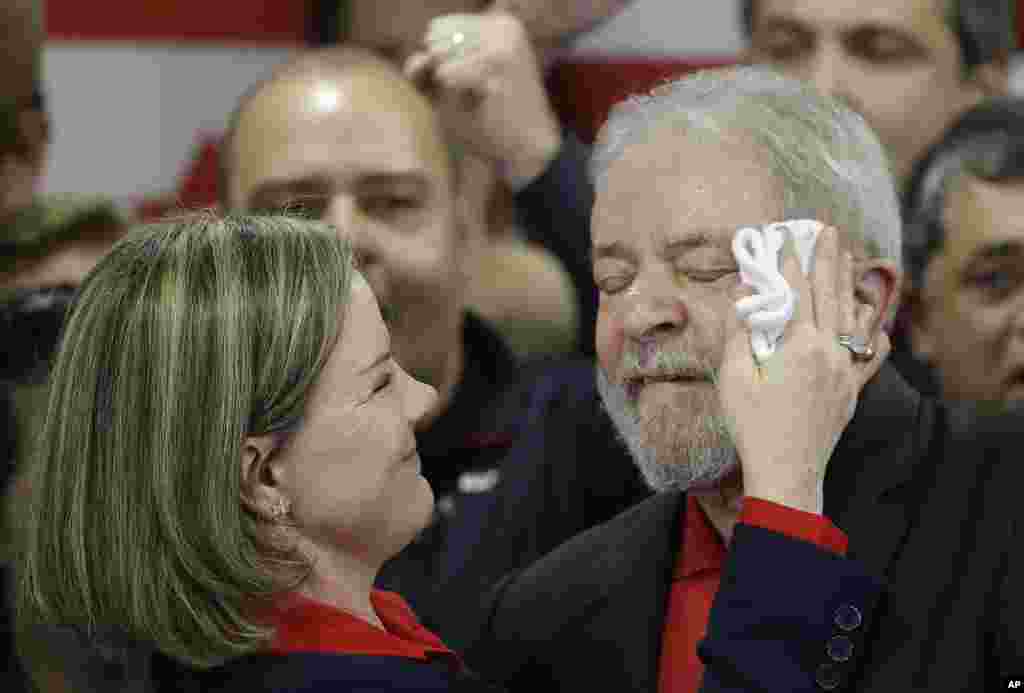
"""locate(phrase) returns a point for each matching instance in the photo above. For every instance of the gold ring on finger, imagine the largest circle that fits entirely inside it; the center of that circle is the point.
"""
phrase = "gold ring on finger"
(859, 348)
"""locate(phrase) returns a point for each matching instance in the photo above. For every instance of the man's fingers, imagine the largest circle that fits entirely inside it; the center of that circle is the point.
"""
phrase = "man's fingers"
(463, 74)
(803, 310)
(869, 369)
(846, 293)
(824, 279)
(419, 68)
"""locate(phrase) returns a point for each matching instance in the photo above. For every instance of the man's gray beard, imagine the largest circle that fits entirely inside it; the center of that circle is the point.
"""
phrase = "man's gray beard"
(667, 462)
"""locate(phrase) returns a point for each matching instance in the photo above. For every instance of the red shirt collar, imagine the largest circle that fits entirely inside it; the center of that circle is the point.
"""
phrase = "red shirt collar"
(702, 548)
(306, 625)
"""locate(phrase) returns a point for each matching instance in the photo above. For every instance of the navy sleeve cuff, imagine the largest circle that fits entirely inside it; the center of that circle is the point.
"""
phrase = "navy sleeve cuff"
(788, 616)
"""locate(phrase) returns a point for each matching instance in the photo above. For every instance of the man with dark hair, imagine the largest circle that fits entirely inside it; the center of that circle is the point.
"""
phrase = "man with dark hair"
(964, 251)
(910, 67)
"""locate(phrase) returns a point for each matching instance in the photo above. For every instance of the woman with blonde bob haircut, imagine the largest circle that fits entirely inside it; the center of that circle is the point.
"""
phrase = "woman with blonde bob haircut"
(227, 459)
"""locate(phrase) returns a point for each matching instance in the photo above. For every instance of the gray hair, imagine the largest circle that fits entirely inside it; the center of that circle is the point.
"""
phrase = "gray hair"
(985, 29)
(987, 143)
(830, 163)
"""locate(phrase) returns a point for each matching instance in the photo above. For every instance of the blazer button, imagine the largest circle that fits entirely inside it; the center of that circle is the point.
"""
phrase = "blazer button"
(828, 677)
(839, 648)
(848, 617)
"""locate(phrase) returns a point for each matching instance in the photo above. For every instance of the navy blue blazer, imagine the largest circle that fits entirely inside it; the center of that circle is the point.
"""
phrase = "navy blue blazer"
(929, 596)
(317, 673)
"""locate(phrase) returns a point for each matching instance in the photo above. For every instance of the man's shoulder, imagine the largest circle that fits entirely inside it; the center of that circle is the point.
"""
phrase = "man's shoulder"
(581, 570)
(549, 387)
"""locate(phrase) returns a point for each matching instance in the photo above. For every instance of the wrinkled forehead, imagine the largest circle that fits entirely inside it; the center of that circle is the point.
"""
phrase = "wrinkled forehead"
(671, 184)
(922, 17)
(984, 218)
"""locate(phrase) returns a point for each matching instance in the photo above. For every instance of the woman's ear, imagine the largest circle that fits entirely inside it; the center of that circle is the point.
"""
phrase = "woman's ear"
(262, 474)
(877, 292)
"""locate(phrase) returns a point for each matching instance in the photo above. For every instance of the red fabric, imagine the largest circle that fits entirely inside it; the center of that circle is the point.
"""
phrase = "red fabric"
(697, 574)
(815, 529)
(584, 90)
(306, 625)
(224, 21)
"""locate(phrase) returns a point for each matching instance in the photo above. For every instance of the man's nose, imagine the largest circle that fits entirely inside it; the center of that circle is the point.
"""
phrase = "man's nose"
(827, 69)
(656, 305)
(344, 213)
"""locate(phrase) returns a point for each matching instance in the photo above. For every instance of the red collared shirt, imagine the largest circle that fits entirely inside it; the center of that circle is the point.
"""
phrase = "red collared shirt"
(306, 625)
(698, 571)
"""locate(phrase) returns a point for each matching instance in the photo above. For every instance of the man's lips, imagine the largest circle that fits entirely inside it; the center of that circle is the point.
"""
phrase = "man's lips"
(635, 383)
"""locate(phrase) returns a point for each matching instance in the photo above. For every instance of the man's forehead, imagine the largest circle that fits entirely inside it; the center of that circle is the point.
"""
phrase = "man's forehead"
(352, 92)
(676, 188)
(908, 15)
(366, 116)
(983, 213)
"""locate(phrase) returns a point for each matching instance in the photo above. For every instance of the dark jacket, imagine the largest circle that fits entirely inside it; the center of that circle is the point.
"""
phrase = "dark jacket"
(521, 470)
(928, 598)
(554, 211)
(318, 673)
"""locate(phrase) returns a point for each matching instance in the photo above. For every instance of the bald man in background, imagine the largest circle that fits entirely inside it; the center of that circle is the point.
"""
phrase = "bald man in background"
(536, 220)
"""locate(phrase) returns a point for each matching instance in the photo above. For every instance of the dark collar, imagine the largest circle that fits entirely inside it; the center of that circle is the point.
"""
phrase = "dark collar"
(468, 424)
(892, 433)
(628, 564)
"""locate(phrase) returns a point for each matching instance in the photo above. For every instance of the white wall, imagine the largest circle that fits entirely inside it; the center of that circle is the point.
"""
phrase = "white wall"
(702, 28)
(126, 116)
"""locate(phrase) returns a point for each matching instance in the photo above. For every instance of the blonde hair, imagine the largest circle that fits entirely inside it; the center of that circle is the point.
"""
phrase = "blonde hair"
(190, 335)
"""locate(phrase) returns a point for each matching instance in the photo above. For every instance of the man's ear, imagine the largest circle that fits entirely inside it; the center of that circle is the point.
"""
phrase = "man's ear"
(993, 77)
(877, 293)
(262, 474)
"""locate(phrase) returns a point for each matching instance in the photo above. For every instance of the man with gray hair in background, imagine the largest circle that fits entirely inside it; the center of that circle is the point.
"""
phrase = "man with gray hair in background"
(818, 525)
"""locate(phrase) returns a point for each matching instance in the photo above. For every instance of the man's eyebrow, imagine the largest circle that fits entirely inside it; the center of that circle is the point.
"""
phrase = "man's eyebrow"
(616, 249)
(999, 250)
(863, 32)
(297, 187)
(777, 23)
(384, 357)
(677, 244)
(414, 178)
(317, 184)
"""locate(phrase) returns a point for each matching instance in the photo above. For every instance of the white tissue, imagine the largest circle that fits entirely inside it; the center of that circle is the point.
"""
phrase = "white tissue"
(770, 308)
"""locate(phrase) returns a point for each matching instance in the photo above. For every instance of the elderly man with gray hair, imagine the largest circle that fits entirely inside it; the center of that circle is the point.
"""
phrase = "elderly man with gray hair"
(818, 524)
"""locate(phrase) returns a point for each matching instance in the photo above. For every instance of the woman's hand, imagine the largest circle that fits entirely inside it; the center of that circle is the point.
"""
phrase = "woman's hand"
(787, 415)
